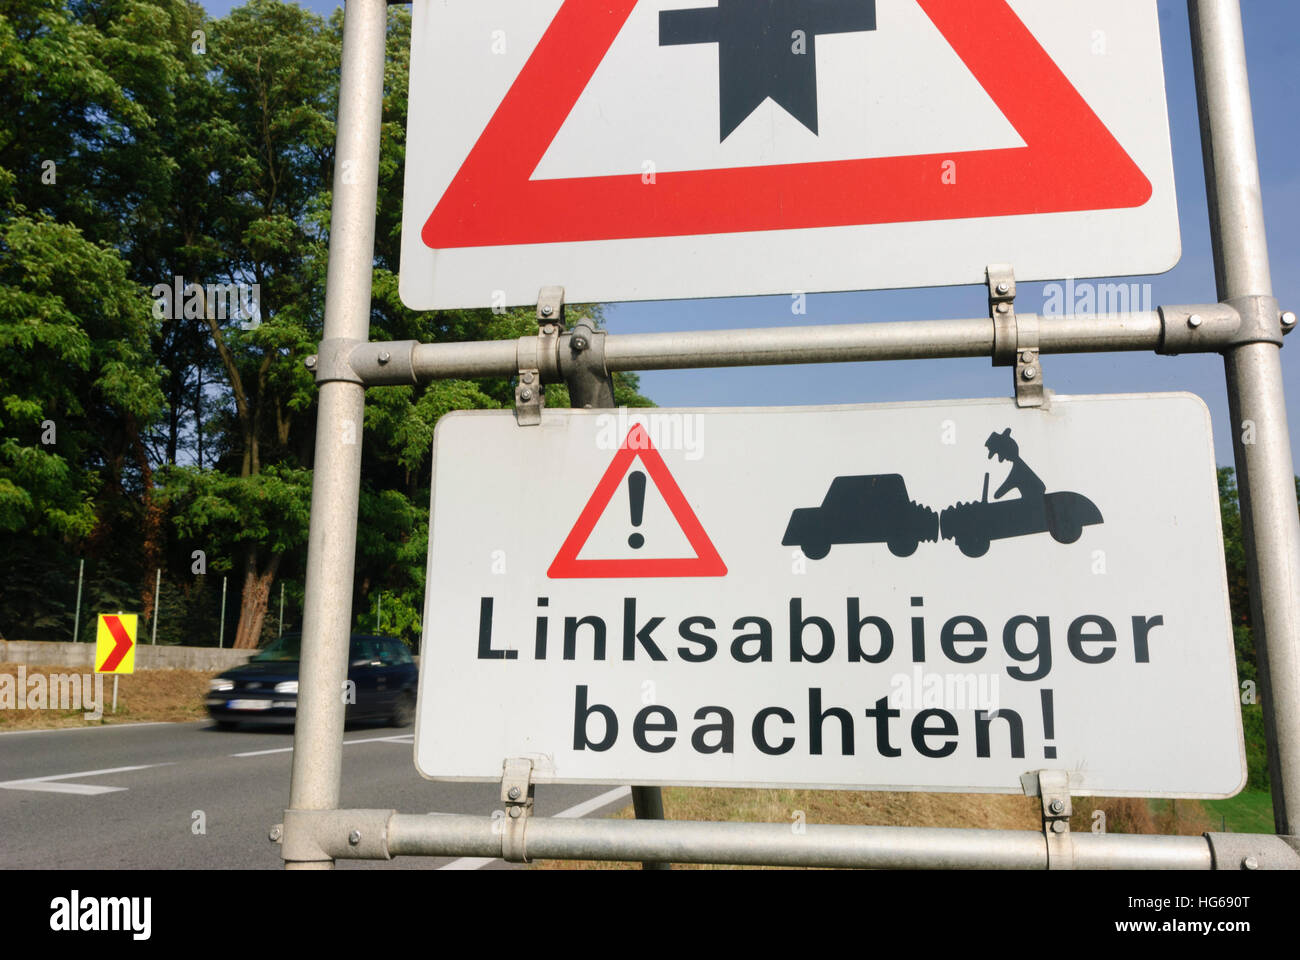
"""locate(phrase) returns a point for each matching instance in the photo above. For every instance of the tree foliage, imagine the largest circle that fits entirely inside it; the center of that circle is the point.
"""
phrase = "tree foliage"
(144, 142)
(1234, 553)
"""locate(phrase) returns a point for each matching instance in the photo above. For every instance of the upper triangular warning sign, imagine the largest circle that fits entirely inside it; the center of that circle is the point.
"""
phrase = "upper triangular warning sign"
(705, 563)
(1069, 162)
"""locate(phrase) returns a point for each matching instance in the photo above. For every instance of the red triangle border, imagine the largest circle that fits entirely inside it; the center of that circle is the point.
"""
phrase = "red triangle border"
(706, 562)
(1070, 161)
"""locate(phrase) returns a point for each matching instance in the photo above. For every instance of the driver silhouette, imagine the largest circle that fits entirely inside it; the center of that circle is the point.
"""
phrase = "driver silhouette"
(1020, 478)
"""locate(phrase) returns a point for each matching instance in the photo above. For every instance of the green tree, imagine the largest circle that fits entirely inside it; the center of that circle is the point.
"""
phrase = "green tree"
(1234, 552)
(1234, 555)
(268, 511)
(78, 382)
(184, 147)
(76, 84)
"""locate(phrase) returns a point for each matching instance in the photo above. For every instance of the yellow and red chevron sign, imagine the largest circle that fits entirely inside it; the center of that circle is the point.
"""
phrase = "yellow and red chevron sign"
(115, 643)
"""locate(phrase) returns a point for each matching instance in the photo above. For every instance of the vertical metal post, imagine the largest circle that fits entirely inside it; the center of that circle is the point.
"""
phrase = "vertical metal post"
(157, 586)
(648, 804)
(1256, 400)
(76, 617)
(116, 676)
(281, 633)
(336, 481)
(221, 632)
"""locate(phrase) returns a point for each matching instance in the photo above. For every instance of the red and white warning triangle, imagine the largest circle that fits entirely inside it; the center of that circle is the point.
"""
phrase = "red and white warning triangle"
(672, 523)
(1052, 153)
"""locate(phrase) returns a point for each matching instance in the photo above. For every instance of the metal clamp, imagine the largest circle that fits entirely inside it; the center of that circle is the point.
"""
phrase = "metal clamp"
(530, 397)
(333, 360)
(550, 306)
(1001, 280)
(369, 363)
(517, 795)
(1053, 790)
(390, 363)
(316, 836)
(1197, 327)
(1015, 337)
(1253, 851)
(1261, 320)
(539, 357)
(1029, 365)
(583, 365)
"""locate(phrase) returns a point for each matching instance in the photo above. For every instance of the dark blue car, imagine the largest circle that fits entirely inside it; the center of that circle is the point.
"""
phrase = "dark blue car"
(265, 690)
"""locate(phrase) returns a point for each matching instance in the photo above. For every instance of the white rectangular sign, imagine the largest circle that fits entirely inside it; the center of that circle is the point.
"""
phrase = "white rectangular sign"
(657, 149)
(937, 596)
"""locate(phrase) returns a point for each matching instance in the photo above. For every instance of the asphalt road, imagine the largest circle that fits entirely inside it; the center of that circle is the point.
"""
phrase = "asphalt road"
(126, 797)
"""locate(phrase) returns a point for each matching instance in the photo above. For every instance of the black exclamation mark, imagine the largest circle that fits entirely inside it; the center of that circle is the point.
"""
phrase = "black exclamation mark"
(1049, 724)
(636, 494)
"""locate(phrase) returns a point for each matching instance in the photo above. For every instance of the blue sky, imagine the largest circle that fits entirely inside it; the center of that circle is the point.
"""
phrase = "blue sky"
(1271, 26)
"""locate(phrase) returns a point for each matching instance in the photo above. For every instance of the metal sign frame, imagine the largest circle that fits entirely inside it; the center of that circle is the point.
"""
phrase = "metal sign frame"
(1246, 326)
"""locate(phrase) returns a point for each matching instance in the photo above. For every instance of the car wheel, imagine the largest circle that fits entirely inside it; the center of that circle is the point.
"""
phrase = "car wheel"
(404, 710)
(903, 548)
(816, 551)
(973, 546)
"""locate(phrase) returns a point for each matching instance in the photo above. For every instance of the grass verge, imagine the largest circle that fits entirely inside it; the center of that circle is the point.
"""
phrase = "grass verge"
(150, 695)
(1250, 811)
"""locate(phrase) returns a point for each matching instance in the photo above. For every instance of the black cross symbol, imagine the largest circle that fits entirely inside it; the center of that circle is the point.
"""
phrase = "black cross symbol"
(766, 48)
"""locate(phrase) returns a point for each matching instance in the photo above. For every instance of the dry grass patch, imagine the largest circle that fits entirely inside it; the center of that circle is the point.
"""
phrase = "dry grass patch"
(149, 695)
(1184, 818)
(983, 811)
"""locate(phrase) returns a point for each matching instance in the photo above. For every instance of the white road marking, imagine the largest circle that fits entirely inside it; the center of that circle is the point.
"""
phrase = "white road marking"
(51, 784)
(573, 813)
(262, 753)
(128, 725)
(595, 803)
(400, 738)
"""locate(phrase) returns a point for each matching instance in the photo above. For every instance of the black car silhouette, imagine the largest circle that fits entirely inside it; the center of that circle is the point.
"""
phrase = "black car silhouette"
(866, 509)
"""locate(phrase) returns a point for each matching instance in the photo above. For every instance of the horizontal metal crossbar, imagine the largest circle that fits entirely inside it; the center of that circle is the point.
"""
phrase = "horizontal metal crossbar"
(384, 834)
(1195, 328)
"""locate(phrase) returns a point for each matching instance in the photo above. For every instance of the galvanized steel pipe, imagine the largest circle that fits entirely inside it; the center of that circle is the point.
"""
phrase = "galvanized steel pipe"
(834, 343)
(1256, 399)
(779, 845)
(336, 479)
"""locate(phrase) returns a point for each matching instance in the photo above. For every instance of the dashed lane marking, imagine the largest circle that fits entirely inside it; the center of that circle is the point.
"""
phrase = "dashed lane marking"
(57, 784)
(400, 738)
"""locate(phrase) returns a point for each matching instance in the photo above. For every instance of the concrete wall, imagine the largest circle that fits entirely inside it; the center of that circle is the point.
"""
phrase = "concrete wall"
(147, 656)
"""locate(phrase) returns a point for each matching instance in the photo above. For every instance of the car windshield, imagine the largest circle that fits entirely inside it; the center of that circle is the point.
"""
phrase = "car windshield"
(281, 649)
